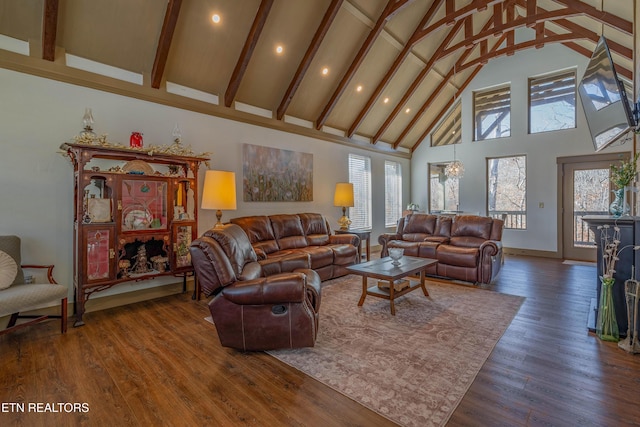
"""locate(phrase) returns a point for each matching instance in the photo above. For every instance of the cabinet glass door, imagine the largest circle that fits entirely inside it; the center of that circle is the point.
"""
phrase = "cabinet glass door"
(98, 254)
(144, 205)
(183, 241)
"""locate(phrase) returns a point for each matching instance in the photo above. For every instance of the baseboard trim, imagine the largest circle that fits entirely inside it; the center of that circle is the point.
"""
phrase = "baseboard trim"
(530, 252)
(117, 300)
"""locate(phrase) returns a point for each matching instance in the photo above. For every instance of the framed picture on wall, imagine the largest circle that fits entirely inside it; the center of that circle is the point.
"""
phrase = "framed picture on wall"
(275, 175)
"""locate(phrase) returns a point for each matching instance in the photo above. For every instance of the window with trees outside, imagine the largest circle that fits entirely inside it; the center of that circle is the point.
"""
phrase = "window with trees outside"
(552, 102)
(449, 131)
(392, 193)
(443, 191)
(492, 113)
(507, 190)
(360, 177)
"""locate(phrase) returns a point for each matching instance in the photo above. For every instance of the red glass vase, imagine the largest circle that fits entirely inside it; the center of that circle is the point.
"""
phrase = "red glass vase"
(135, 141)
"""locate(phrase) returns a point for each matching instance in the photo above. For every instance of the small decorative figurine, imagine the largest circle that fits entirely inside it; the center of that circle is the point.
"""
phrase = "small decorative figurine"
(135, 141)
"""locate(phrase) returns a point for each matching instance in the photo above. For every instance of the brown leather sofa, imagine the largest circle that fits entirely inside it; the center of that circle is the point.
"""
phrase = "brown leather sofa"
(275, 236)
(257, 305)
(467, 247)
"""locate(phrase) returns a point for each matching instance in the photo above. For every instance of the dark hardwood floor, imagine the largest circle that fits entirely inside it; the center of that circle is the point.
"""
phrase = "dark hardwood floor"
(158, 363)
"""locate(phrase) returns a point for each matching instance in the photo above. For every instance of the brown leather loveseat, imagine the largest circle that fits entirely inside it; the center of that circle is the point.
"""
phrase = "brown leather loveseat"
(275, 236)
(467, 247)
(257, 305)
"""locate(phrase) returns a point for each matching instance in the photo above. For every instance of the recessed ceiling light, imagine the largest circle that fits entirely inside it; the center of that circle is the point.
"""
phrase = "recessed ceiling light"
(325, 71)
(215, 18)
(359, 88)
(408, 110)
(279, 49)
(386, 100)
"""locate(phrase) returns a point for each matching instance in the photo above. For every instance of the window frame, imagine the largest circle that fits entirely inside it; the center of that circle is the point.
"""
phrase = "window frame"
(441, 165)
(555, 76)
(393, 208)
(360, 213)
(489, 95)
(520, 223)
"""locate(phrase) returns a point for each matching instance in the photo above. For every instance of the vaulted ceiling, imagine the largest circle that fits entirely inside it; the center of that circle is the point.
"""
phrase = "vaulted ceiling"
(393, 67)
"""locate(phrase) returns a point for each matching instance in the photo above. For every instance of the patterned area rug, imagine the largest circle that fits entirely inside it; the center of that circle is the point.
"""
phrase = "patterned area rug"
(414, 367)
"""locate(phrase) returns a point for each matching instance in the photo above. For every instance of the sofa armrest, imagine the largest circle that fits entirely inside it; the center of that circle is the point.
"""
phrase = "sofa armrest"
(285, 264)
(344, 239)
(260, 253)
(278, 289)
(490, 248)
(384, 239)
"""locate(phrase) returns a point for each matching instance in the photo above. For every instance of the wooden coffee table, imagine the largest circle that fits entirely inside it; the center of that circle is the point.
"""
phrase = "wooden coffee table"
(383, 269)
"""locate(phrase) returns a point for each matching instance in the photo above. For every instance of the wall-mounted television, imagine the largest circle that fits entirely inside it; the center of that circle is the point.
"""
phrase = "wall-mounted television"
(609, 114)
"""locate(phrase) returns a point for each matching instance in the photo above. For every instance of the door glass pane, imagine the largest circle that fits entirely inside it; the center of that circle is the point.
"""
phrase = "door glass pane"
(98, 255)
(144, 204)
(590, 197)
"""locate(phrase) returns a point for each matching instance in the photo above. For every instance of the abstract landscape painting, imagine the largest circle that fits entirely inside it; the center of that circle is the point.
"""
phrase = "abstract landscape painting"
(275, 175)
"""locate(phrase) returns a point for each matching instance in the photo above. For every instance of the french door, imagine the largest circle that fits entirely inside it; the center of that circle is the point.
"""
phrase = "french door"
(586, 190)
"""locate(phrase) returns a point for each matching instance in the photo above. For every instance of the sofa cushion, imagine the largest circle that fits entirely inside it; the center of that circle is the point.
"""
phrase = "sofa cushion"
(287, 230)
(259, 231)
(472, 226)
(344, 254)
(459, 256)
(314, 227)
(235, 244)
(420, 223)
(320, 255)
(410, 248)
(415, 237)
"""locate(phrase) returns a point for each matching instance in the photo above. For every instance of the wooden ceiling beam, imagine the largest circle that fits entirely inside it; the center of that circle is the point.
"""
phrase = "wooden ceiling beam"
(247, 51)
(509, 26)
(49, 29)
(451, 73)
(601, 16)
(557, 38)
(459, 14)
(321, 32)
(591, 35)
(417, 81)
(394, 68)
(164, 42)
(392, 7)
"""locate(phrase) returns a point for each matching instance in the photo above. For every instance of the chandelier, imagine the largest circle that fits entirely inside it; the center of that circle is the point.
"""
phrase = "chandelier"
(454, 169)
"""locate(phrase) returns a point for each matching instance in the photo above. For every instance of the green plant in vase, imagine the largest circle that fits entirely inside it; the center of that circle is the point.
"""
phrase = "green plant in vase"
(621, 177)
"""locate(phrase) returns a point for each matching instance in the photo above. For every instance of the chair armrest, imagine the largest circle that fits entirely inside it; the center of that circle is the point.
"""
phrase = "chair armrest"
(278, 289)
(285, 264)
(344, 239)
(49, 271)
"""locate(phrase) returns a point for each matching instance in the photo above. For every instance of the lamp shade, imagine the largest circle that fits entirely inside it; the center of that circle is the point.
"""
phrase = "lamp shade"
(219, 190)
(343, 195)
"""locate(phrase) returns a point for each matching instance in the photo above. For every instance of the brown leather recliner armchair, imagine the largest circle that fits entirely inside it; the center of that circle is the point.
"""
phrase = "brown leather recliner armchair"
(257, 305)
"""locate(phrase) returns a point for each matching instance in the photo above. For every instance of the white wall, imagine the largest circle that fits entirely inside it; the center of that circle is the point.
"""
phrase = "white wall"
(540, 149)
(36, 194)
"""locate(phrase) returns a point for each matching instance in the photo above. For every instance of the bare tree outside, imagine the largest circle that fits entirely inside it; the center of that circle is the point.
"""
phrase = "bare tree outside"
(590, 197)
(507, 190)
(444, 191)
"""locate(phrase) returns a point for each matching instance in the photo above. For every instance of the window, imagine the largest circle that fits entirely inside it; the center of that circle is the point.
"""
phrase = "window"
(552, 102)
(449, 131)
(360, 177)
(443, 191)
(392, 193)
(507, 190)
(492, 113)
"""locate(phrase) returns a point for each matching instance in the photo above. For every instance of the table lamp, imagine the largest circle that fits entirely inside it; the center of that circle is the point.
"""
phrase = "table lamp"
(343, 197)
(219, 192)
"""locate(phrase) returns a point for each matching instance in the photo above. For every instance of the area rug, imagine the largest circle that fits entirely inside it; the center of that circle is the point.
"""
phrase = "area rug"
(414, 367)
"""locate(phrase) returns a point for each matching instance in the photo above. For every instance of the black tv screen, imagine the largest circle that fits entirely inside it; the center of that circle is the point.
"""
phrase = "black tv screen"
(604, 100)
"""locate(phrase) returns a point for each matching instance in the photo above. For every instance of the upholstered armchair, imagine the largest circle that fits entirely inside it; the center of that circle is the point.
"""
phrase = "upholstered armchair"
(17, 297)
(256, 305)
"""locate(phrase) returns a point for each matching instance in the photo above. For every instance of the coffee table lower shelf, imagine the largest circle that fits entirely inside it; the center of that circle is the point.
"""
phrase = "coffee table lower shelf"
(383, 270)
